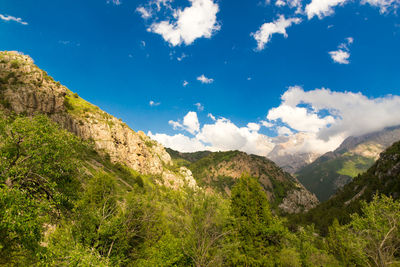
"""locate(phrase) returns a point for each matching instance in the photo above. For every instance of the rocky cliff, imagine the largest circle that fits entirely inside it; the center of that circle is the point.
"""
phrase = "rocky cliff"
(24, 88)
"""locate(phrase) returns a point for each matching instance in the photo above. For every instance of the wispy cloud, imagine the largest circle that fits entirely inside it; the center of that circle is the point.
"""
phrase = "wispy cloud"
(153, 103)
(12, 18)
(204, 79)
(264, 34)
(199, 106)
(114, 2)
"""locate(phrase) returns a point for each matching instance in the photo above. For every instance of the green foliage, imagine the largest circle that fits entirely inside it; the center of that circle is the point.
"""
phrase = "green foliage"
(372, 238)
(20, 224)
(38, 157)
(15, 64)
(258, 232)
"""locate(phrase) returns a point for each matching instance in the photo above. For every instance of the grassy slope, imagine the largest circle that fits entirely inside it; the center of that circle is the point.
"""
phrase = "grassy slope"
(320, 176)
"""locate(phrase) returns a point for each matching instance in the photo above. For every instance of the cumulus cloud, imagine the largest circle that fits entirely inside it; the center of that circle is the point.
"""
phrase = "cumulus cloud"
(278, 26)
(221, 135)
(179, 142)
(322, 8)
(190, 123)
(153, 103)
(11, 18)
(350, 114)
(196, 21)
(283, 130)
(342, 55)
(306, 121)
(204, 79)
(253, 126)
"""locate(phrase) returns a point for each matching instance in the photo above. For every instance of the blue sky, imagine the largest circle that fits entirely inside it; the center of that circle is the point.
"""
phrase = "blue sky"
(119, 56)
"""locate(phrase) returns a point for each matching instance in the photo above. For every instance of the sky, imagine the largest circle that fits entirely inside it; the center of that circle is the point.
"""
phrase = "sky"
(222, 74)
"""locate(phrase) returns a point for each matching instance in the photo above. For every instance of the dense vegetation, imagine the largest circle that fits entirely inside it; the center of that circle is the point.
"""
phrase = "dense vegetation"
(62, 204)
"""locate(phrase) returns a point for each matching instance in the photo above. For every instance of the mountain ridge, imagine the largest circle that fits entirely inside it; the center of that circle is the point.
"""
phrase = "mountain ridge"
(334, 169)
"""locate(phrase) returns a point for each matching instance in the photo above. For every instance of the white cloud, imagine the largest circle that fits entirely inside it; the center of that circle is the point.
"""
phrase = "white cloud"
(115, 2)
(306, 121)
(322, 8)
(267, 124)
(253, 126)
(299, 118)
(199, 106)
(197, 21)
(179, 142)
(342, 55)
(191, 122)
(144, 13)
(291, 4)
(221, 135)
(283, 130)
(350, 114)
(264, 34)
(204, 79)
(185, 83)
(175, 125)
(211, 116)
(181, 57)
(280, 3)
(383, 5)
(154, 104)
(11, 18)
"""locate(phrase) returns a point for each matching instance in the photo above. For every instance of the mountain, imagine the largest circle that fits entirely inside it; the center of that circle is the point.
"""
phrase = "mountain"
(382, 178)
(219, 171)
(355, 155)
(26, 89)
(288, 155)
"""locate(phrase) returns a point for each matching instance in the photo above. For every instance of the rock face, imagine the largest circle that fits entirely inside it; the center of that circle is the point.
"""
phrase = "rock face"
(24, 88)
(299, 200)
(219, 171)
(289, 155)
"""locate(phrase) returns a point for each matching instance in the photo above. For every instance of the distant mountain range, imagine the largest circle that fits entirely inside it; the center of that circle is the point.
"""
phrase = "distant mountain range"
(355, 155)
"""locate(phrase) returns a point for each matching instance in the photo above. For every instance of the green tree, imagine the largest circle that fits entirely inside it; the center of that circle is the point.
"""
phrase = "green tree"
(372, 238)
(258, 232)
